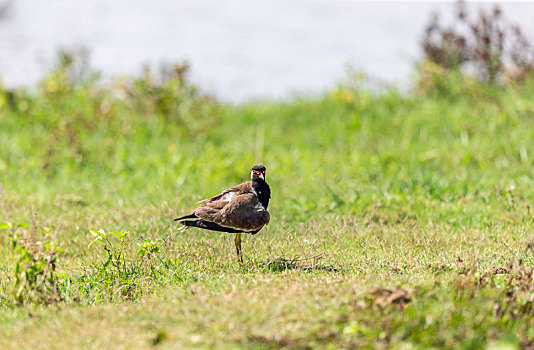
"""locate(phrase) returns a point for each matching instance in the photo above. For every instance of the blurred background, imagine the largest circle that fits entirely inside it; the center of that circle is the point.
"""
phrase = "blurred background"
(238, 50)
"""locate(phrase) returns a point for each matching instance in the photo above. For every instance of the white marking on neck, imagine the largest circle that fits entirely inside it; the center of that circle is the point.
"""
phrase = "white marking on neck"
(253, 190)
(259, 206)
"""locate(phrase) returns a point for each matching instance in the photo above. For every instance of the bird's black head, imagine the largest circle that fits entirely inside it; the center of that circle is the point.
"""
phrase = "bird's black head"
(258, 171)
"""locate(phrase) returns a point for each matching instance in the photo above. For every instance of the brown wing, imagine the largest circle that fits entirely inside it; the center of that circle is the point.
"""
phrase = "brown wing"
(210, 211)
(228, 195)
(243, 212)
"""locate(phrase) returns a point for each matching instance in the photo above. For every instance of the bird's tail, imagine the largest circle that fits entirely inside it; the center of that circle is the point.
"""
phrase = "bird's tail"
(182, 228)
(207, 225)
(189, 216)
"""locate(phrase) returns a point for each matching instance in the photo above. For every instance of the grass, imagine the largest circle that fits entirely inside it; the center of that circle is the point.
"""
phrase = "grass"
(399, 220)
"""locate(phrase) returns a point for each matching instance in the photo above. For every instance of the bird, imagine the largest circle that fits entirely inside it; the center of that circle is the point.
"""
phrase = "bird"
(238, 209)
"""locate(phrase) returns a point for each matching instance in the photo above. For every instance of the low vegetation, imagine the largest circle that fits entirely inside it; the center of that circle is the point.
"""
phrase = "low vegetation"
(399, 219)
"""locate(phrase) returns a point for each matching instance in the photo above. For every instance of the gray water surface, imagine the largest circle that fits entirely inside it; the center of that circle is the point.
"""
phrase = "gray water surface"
(238, 49)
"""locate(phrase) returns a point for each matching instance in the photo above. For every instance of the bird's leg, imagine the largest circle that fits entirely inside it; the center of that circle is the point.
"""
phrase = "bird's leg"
(238, 247)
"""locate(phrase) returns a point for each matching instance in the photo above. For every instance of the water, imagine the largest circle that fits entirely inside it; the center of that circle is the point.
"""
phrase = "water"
(238, 49)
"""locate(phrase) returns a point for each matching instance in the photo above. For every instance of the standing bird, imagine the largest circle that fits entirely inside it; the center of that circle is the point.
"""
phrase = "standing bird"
(239, 209)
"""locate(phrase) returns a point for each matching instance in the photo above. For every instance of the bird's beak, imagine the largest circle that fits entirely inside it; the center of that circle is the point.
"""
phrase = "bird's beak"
(258, 174)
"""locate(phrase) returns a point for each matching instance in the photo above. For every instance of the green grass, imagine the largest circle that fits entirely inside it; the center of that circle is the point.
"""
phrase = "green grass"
(399, 220)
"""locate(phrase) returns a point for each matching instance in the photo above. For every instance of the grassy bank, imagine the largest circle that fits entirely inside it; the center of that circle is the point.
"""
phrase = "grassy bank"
(398, 219)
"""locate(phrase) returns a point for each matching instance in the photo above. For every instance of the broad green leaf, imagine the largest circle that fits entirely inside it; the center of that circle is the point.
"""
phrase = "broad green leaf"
(5, 226)
(99, 233)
